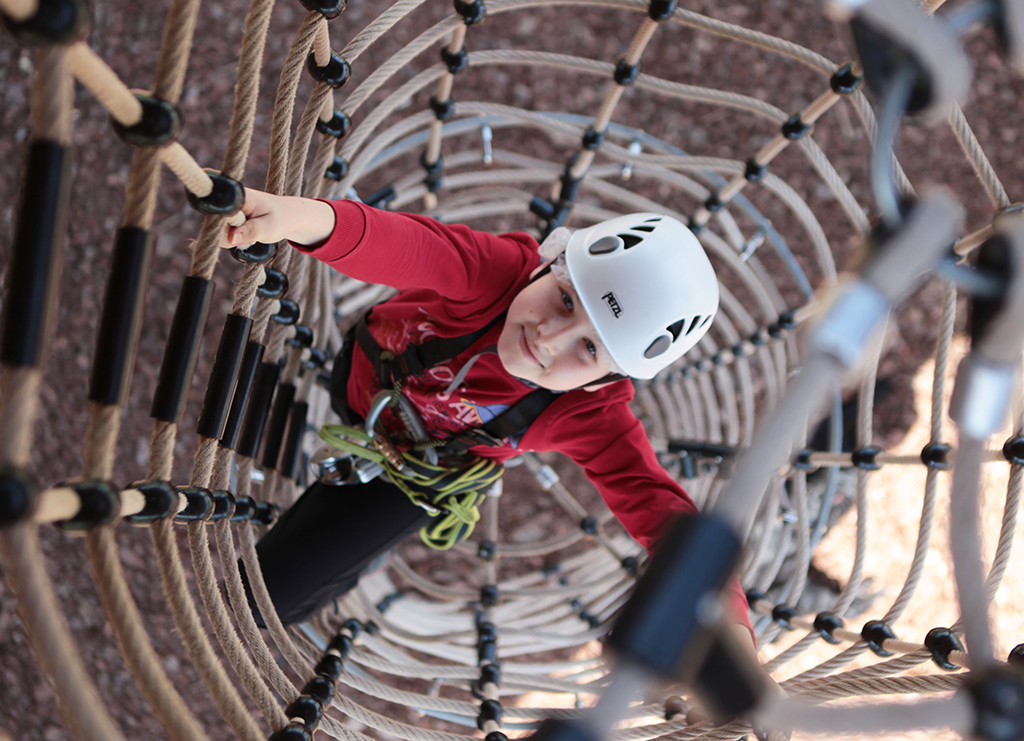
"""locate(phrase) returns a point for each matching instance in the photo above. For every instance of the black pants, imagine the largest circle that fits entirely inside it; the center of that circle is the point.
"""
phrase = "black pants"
(321, 545)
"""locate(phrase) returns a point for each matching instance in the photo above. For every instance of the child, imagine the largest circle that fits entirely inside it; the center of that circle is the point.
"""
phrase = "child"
(625, 297)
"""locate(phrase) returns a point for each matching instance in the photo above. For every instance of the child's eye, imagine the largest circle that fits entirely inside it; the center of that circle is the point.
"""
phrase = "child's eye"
(567, 300)
(592, 349)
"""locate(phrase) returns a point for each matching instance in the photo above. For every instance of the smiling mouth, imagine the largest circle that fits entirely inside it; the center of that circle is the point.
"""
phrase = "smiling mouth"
(527, 350)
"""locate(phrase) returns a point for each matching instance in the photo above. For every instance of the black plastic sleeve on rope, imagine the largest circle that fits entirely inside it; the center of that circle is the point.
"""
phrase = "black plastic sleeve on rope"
(941, 642)
(455, 61)
(200, 504)
(660, 621)
(288, 313)
(330, 9)
(99, 504)
(302, 338)
(275, 284)
(259, 405)
(589, 525)
(827, 623)
(754, 170)
(486, 550)
(122, 312)
(306, 708)
(866, 458)
(630, 565)
(223, 376)
(291, 453)
(489, 595)
(542, 208)
(276, 427)
(225, 199)
(258, 252)
(997, 696)
(223, 505)
(317, 359)
(936, 455)
(17, 495)
(592, 139)
(713, 203)
(783, 614)
(320, 688)
(292, 732)
(335, 73)
(471, 12)
(794, 127)
(182, 349)
(36, 258)
(1013, 450)
(753, 596)
(245, 508)
(251, 359)
(161, 502)
(875, 633)
(443, 109)
(661, 10)
(381, 198)
(489, 710)
(337, 127)
(354, 627)
(265, 513)
(385, 604)
(495, 736)
(433, 169)
(694, 226)
(844, 81)
(760, 337)
(489, 674)
(342, 644)
(625, 73)
(54, 22)
(329, 666)
(160, 124)
(337, 170)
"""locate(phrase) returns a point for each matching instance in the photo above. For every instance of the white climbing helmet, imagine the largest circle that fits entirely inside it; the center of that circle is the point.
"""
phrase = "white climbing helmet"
(647, 286)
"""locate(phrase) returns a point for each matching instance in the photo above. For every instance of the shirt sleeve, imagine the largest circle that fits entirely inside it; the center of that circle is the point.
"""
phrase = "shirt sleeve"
(611, 445)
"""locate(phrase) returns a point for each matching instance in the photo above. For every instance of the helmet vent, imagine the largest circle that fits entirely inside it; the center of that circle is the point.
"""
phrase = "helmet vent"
(652, 220)
(604, 245)
(657, 347)
(706, 320)
(630, 240)
(676, 329)
(693, 324)
(643, 228)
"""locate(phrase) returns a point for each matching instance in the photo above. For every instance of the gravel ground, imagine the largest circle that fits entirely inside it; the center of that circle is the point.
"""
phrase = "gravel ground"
(127, 37)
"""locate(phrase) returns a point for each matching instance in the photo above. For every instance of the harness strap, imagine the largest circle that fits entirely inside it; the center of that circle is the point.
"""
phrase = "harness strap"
(516, 418)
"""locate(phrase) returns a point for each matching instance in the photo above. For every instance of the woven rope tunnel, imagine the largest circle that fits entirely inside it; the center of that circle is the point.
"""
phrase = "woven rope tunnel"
(180, 405)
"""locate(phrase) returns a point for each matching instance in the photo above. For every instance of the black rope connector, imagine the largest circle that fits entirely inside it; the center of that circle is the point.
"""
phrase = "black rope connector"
(630, 565)
(100, 504)
(381, 198)
(741, 350)
(489, 595)
(625, 73)
(319, 688)
(941, 642)
(292, 732)
(661, 10)
(287, 314)
(432, 168)
(489, 674)
(199, 507)
(328, 8)
(1013, 450)
(787, 320)
(936, 455)
(17, 495)
(443, 109)
(245, 508)
(223, 505)
(802, 462)
(160, 123)
(590, 618)
(225, 199)
(317, 359)
(385, 604)
(754, 595)
(337, 127)
(593, 139)
(827, 623)
(844, 81)
(456, 61)
(258, 252)
(866, 458)
(337, 170)
(471, 12)
(54, 22)
(341, 643)
(997, 694)
(783, 614)
(794, 128)
(489, 710)
(760, 337)
(335, 73)
(495, 736)
(302, 338)
(1016, 656)
(305, 707)
(754, 171)
(265, 513)
(486, 652)
(875, 633)
(713, 203)
(354, 627)
(589, 525)
(161, 502)
(330, 666)
(486, 550)
(275, 284)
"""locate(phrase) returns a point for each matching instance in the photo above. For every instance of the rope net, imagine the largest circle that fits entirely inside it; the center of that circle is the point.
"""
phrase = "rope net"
(507, 115)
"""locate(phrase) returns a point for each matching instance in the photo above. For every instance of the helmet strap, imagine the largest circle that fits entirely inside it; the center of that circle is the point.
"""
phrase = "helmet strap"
(607, 378)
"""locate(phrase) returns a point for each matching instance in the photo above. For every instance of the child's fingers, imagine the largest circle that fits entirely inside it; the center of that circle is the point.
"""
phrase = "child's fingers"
(238, 235)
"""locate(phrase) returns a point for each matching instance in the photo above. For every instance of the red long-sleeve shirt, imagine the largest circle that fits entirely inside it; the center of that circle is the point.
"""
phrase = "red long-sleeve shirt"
(453, 280)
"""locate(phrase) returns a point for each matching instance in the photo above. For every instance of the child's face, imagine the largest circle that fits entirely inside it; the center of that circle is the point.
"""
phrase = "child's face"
(548, 338)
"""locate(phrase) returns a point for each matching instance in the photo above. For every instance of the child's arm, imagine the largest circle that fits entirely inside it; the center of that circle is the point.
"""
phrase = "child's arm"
(270, 218)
